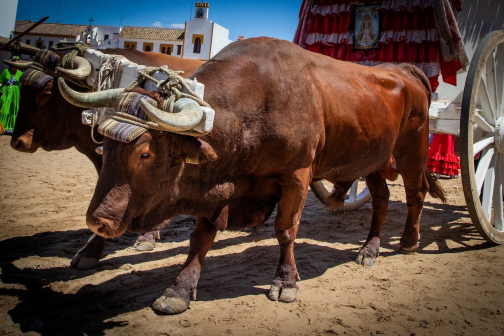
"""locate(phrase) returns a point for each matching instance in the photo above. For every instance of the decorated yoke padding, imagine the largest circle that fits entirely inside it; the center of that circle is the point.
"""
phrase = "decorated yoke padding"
(35, 78)
(47, 58)
(128, 103)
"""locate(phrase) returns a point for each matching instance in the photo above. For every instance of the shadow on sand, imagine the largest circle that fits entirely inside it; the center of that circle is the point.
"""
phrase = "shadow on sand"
(225, 276)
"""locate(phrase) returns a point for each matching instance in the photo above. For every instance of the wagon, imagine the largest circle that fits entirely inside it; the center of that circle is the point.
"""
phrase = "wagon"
(479, 122)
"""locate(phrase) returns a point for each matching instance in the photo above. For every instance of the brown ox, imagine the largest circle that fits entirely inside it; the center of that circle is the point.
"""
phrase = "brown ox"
(46, 120)
(284, 116)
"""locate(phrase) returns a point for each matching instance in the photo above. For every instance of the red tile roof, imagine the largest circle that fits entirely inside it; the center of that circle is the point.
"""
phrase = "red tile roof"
(57, 29)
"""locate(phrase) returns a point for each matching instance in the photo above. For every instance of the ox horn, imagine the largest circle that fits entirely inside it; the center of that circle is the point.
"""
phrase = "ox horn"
(106, 98)
(23, 66)
(187, 114)
(81, 72)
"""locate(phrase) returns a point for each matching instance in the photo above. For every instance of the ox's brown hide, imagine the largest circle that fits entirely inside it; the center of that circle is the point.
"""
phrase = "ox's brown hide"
(279, 109)
(284, 116)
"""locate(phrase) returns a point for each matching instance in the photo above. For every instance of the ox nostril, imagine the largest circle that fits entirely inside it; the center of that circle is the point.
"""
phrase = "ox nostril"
(19, 144)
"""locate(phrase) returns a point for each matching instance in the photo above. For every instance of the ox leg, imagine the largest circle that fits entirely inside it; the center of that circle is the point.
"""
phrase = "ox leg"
(89, 256)
(176, 299)
(290, 207)
(416, 189)
(380, 196)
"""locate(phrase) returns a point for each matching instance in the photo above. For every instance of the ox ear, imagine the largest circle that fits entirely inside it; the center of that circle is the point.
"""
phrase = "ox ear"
(46, 92)
(197, 151)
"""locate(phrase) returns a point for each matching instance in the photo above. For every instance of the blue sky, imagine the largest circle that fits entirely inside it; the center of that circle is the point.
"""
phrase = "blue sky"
(275, 18)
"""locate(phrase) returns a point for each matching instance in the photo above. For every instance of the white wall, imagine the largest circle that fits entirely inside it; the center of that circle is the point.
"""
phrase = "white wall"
(46, 40)
(477, 18)
(220, 39)
(112, 31)
(156, 44)
(200, 27)
(8, 10)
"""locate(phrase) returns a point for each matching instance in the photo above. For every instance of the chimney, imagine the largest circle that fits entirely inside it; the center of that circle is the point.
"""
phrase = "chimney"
(201, 10)
(241, 38)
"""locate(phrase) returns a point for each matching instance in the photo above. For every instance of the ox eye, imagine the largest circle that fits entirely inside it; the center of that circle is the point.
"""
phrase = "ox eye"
(145, 155)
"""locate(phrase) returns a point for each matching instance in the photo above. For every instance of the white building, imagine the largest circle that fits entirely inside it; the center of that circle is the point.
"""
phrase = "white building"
(103, 37)
(200, 39)
(164, 40)
(203, 38)
(48, 34)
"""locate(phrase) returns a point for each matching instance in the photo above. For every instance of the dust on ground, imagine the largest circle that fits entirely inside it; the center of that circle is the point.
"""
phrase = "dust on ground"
(454, 285)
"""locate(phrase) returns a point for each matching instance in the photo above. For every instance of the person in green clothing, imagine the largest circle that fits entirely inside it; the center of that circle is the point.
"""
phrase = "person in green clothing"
(9, 99)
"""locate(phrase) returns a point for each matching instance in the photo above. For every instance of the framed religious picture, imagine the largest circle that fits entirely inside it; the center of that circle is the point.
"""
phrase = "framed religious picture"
(367, 27)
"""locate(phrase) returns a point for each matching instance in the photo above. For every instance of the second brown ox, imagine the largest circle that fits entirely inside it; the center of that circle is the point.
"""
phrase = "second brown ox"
(46, 120)
(284, 117)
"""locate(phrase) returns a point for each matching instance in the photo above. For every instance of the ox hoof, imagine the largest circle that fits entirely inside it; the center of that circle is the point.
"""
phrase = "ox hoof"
(147, 242)
(170, 304)
(145, 246)
(365, 261)
(407, 249)
(368, 255)
(279, 292)
(83, 263)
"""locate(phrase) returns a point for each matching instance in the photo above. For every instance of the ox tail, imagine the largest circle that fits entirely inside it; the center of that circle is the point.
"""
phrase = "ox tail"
(435, 189)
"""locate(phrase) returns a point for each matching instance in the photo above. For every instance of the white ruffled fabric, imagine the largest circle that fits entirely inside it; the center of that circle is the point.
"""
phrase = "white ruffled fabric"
(389, 36)
(408, 36)
(396, 5)
(327, 39)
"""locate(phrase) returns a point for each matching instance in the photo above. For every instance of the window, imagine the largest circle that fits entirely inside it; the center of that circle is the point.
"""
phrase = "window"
(179, 49)
(39, 44)
(165, 48)
(129, 45)
(106, 37)
(197, 46)
(50, 44)
(28, 42)
(147, 47)
(200, 13)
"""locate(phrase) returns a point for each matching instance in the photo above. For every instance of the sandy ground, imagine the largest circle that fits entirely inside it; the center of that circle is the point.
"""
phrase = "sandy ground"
(454, 285)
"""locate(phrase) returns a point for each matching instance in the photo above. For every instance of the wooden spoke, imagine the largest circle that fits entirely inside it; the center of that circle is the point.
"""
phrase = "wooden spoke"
(482, 144)
(486, 106)
(483, 167)
(488, 190)
(499, 78)
(497, 194)
(353, 191)
(491, 82)
(322, 189)
(482, 124)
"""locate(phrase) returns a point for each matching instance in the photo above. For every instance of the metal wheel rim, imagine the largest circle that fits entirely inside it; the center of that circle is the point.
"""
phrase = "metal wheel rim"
(487, 62)
(355, 200)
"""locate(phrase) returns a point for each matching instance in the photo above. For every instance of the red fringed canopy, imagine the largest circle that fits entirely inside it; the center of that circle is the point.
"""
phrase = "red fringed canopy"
(408, 34)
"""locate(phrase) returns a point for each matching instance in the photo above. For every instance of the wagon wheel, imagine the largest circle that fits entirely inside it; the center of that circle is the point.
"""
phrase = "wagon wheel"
(482, 131)
(357, 196)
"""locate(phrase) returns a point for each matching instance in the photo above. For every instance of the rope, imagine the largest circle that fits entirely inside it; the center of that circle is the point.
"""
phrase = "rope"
(172, 86)
(93, 124)
(77, 49)
(111, 67)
